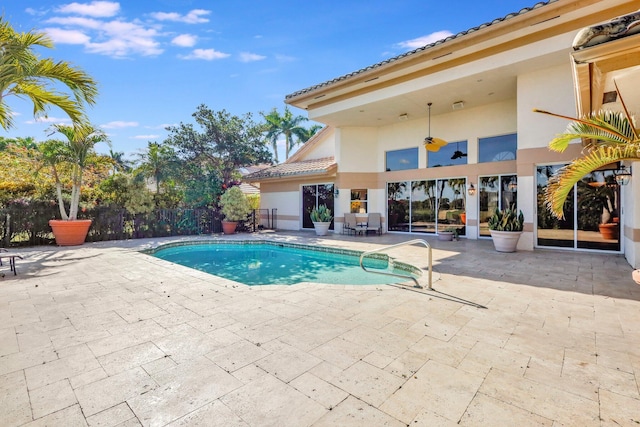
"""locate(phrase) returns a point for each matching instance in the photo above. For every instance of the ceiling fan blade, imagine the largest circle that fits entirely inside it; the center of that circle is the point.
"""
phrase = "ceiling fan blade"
(439, 142)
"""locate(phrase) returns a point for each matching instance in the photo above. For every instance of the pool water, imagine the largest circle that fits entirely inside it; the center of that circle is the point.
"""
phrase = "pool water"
(264, 263)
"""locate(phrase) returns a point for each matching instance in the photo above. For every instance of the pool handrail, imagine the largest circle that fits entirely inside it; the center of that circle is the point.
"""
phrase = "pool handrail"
(409, 242)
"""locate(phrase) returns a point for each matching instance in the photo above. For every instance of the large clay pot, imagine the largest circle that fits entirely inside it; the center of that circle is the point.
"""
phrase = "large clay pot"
(505, 241)
(70, 233)
(229, 227)
(322, 228)
(609, 231)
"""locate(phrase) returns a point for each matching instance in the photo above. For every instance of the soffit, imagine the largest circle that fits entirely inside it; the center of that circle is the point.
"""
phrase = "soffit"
(375, 96)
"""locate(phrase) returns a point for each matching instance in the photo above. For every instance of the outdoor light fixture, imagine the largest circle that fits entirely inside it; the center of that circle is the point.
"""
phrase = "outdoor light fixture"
(623, 176)
(336, 191)
(402, 117)
(471, 190)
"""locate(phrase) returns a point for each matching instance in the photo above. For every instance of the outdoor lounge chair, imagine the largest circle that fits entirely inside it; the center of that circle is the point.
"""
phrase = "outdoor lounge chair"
(350, 223)
(374, 223)
(4, 254)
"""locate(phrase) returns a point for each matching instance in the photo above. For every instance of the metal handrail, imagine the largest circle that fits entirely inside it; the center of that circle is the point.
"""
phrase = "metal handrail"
(409, 242)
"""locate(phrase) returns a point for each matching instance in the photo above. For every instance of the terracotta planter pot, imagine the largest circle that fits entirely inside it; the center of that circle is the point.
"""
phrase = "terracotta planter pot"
(229, 227)
(463, 218)
(70, 233)
(609, 231)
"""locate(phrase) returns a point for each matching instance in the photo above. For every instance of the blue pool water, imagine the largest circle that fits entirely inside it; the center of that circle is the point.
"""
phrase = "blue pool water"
(264, 263)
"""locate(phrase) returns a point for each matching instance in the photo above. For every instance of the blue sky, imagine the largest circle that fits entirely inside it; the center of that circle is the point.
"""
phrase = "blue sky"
(157, 60)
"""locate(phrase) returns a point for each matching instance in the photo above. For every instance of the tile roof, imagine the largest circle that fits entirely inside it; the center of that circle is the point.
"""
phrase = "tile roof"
(306, 167)
(619, 27)
(421, 49)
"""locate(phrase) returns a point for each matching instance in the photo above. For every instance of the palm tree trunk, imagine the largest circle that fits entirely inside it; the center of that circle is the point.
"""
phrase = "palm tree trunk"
(63, 211)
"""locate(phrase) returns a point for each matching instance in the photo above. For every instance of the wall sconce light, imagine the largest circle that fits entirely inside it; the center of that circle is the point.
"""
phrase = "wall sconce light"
(336, 191)
(471, 190)
(623, 176)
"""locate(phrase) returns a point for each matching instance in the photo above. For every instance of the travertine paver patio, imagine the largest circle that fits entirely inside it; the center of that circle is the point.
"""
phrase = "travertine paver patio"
(103, 335)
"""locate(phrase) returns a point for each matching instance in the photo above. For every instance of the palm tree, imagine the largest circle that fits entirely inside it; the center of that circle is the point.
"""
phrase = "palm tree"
(610, 137)
(119, 162)
(77, 151)
(25, 75)
(156, 163)
(305, 134)
(287, 125)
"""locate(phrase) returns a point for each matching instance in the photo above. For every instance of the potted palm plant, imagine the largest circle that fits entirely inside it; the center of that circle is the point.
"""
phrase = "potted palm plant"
(321, 218)
(235, 207)
(76, 153)
(506, 227)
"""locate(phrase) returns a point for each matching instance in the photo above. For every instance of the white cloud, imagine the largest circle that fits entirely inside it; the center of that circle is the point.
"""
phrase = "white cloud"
(98, 9)
(77, 21)
(58, 35)
(185, 40)
(56, 120)
(119, 124)
(193, 17)
(145, 137)
(285, 58)
(116, 38)
(251, 57)
(206, 54)
(425, 40)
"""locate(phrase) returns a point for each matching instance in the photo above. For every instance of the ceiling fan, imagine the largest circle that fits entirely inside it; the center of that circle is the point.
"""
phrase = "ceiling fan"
(458, 154)
(430, 143)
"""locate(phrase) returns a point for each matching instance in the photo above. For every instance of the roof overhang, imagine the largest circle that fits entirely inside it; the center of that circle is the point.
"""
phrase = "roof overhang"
(477, 66)
(613, 61)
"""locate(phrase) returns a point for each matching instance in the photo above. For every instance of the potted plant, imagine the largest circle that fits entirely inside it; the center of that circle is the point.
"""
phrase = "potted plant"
(321, 217)
(506, 227)
(76, 152)
(235, 207)
(448, 234)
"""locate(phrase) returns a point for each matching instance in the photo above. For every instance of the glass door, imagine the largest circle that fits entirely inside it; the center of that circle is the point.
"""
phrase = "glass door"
(591, 213)
(314, 196)
(498, 191)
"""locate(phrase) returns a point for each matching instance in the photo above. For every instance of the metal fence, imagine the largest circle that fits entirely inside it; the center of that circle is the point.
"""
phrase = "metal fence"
(29, 225)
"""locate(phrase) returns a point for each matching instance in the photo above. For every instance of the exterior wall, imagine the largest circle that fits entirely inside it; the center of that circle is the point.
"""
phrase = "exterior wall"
(324, 148)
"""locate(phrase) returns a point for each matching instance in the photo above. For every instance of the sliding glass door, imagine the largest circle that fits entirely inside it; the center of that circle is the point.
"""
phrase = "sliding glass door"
(591, 213)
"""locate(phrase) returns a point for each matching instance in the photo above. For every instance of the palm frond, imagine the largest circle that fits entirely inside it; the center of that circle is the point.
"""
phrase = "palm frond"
(562, 182)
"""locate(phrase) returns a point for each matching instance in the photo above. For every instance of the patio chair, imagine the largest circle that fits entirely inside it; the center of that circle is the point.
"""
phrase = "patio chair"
(4, 254)
(374, 223)
(350, 223)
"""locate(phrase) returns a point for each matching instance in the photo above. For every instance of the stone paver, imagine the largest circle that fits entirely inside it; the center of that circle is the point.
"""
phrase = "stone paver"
(104, 335)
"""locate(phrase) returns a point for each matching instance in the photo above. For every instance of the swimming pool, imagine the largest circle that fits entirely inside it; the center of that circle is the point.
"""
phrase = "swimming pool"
(272, 263)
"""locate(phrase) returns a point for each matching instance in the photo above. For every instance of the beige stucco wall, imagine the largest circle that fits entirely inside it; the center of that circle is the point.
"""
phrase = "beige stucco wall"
(551, 90)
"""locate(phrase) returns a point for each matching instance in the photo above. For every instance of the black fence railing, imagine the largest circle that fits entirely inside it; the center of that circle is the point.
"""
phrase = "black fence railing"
(29, 225)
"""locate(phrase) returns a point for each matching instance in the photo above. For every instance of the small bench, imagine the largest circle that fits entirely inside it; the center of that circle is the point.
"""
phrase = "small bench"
(12, 260)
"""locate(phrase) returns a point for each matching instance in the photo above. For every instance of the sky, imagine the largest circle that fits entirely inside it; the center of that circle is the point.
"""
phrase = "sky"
(156, 61)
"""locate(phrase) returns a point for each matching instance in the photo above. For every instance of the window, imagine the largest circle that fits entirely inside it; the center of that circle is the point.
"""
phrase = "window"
(428, 206)
(359, 201)
(398, 160)
(497, 148)
(454, 153)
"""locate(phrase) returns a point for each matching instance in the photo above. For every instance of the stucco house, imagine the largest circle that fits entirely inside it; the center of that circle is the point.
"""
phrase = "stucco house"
(483, 85)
